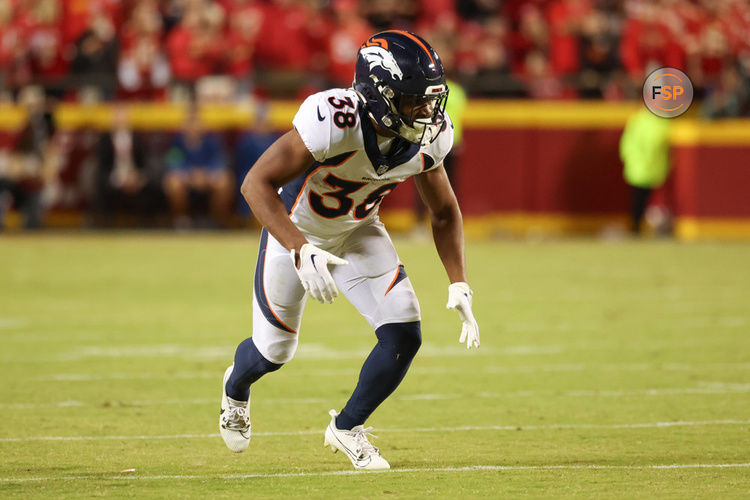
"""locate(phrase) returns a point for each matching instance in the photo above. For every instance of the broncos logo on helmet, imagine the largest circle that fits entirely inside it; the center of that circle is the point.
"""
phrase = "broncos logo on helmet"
(400, 80)
(378, 56)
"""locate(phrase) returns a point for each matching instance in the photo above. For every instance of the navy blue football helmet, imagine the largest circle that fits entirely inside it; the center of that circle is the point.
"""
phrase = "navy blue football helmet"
(401, 82)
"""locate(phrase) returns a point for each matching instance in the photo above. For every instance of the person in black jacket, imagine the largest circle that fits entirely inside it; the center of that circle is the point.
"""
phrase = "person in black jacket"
(126, 179)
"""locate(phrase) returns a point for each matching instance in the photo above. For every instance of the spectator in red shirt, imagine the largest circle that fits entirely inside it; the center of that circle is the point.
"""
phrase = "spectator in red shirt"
(286, 42)
(245, 22)
(714, 50)
(15, 67)
(564, 18)
(736, 20)
(78, 16)
(194, 46)
(531, 34)
(41, 25)
(348, 33)
(143, 70)
(648, 41)
(432, 10)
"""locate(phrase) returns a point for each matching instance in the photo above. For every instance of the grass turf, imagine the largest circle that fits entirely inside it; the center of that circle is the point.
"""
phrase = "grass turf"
(600, 363)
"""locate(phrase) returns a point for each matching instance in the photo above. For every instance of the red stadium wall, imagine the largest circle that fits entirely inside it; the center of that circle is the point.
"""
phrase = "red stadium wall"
(520, 170)
(712, 181)
(542, 171)
(536, 171)
(579, 172)
(527, 165)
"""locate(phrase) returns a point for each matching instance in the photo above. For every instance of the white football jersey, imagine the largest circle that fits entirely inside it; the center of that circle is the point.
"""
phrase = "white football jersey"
(351, 174)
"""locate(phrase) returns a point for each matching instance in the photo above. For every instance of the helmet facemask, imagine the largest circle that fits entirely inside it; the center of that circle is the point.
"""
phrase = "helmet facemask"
(422, 116)
(418, 118)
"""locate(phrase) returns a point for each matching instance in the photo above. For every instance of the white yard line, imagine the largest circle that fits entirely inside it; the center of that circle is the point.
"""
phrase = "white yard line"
(668, 391)
(706, 389)
(88, 377)
(313, 352)
(470, 468)
(546, 368)
(115, 403)
(13, 323)
(307, 351)
(648, 425)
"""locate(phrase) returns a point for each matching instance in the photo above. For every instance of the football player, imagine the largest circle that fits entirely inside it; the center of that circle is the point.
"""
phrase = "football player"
(316, 191)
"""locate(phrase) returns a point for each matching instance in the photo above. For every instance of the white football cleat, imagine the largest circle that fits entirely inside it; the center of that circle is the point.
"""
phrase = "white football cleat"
(355, 445)
(234, 419)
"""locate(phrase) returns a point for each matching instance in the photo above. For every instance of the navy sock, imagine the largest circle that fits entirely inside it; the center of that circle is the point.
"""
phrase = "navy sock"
(249, 366)
(383, 370)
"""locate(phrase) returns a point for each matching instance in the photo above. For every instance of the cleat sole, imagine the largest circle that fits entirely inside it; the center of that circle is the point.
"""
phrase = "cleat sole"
(328, 444)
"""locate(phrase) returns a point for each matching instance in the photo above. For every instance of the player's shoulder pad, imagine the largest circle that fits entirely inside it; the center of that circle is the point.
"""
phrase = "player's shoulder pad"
(438, 149)
(322, 131)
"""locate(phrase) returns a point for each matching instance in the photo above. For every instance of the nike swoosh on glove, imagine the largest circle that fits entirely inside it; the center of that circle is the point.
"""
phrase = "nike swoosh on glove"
(314, 274)
(459, 298)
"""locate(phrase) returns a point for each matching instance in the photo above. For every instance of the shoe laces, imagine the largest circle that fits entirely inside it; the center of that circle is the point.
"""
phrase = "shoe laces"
(364, 447)
(236, 418)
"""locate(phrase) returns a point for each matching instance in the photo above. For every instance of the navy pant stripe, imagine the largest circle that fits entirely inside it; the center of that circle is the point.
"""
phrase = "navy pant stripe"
(260, 290)
(400, 276)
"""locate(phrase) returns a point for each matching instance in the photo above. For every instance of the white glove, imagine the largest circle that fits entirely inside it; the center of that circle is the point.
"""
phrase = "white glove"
(313, 272)
(459, 298)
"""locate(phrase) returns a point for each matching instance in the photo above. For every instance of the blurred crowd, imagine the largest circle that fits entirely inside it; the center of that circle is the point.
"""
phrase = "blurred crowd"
(159, 49)
(199, 51)
(182, 178)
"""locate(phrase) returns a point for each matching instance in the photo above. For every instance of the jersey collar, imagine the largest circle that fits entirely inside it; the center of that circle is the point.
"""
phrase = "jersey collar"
(400, 152)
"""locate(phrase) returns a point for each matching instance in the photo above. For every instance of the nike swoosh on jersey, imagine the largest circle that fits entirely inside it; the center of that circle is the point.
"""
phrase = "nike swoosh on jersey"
(320, 118)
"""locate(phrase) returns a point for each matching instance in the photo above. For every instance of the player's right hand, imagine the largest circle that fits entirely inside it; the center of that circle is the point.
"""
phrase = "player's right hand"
(312, 269)
(459, 299)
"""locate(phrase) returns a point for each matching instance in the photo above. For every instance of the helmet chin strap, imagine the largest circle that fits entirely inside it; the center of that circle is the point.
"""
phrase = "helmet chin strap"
(423, 135)
(392, 120)
(429, 134)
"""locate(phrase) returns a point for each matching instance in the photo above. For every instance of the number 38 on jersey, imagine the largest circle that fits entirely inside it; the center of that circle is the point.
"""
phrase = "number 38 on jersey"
(343, 189)
(339, 201)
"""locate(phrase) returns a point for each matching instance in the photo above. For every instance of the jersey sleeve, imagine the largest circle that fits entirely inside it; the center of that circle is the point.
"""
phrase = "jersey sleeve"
(441, 146)
(313, 123)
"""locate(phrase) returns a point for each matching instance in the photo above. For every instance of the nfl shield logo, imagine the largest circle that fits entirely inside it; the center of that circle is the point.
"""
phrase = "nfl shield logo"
(382, 169)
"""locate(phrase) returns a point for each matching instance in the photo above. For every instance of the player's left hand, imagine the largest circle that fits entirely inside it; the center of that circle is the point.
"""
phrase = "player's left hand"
(459, 298)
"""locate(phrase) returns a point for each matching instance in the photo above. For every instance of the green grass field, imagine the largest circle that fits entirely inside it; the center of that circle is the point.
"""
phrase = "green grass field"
(606, 370)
